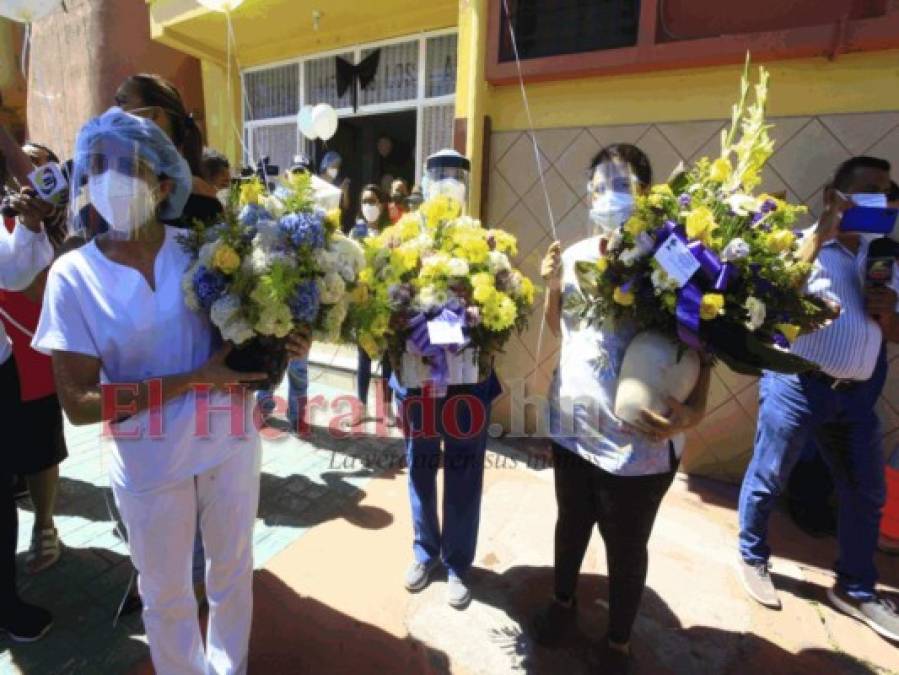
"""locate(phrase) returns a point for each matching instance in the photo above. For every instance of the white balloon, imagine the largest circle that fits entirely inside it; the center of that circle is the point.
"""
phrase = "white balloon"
(26, 11)
(324, 121)
(304, 122)
(221, 5)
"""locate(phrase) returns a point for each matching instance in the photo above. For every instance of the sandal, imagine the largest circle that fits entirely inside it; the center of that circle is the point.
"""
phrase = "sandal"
(44, 552)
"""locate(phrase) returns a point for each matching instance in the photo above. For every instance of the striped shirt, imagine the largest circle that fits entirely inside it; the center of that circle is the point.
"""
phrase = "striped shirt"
(846, 349)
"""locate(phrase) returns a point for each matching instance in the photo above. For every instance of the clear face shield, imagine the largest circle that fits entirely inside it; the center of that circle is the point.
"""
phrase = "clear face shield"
(447, 174)
(613, 190)
(116, 190)
(127, 175)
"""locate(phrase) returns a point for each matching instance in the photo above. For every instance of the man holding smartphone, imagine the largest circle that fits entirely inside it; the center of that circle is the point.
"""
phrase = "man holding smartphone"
(833, 406)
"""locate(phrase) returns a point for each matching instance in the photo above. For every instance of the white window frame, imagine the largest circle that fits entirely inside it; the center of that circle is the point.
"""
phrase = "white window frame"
(418, 104)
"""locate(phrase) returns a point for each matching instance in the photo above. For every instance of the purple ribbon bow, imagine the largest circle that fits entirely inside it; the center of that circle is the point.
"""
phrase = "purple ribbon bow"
(419, 344)
(689, 298)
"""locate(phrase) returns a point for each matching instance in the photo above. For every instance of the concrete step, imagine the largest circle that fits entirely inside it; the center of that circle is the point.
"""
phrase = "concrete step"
(334, 366)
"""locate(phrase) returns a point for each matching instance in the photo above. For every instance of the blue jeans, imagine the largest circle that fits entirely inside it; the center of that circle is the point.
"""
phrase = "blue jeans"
(793, 410)
(460, 420)
(363, 375)
(297, 391)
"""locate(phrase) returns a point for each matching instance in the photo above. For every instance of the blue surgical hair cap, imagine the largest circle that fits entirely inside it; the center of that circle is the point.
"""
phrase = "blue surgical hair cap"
(150, 143)
(331, 157)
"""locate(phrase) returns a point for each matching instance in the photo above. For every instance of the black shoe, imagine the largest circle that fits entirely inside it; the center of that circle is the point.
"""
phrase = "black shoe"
(603, 659)
(553, 622)
(28, 623)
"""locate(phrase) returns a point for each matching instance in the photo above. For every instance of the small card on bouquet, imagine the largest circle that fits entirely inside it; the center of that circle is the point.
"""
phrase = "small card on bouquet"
(677, 261)
(444, 331)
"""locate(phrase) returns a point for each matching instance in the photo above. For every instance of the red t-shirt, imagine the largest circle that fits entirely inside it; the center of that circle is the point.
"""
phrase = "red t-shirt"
(35, 370)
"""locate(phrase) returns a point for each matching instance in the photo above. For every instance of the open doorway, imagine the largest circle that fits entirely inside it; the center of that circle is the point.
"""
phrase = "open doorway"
(363, 162)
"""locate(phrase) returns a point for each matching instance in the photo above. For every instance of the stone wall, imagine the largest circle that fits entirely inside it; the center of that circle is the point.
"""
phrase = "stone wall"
(808, 150)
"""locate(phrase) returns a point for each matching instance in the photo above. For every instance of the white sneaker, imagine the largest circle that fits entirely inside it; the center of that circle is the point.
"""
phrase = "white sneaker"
(457, 593)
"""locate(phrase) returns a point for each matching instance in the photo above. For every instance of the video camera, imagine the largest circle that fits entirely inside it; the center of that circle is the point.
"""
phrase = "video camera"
(263, 171)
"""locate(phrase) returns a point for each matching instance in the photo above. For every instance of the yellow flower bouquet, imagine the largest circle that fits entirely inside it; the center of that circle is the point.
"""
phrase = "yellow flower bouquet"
(707, 261)
(436, 266)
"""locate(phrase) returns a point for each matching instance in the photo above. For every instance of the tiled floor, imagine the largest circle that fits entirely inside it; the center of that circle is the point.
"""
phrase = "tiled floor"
(304, 483)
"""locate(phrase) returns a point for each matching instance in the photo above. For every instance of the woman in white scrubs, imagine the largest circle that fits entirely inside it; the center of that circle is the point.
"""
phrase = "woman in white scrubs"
(128, 352)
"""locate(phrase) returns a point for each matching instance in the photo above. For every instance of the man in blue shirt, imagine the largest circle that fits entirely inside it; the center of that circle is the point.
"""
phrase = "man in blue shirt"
(833, 406)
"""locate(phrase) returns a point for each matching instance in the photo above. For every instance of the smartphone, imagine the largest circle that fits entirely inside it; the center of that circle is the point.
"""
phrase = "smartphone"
(868, 219)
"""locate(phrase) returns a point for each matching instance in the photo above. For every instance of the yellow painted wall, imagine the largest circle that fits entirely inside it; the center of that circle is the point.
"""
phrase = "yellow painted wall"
(223, 117)
(853, 83)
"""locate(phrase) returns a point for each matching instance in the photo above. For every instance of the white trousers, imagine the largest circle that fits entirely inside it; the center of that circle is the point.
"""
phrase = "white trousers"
(161, 528)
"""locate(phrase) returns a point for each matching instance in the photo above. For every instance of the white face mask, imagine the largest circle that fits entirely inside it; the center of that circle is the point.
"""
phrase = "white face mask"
(371, 213)
(332, 172)
(611, 210)
(125, 202)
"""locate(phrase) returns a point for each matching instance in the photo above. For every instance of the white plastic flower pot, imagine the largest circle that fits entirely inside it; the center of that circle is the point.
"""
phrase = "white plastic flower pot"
(655, 367)
(462, 368)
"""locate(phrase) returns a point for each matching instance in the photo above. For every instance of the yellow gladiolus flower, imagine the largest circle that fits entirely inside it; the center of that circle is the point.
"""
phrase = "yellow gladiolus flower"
(505, 242)
(700, 223)
(251, 192)
(602, 265)
(710, 306)
(721, 170)
(439, 210)
(225, 259)
(622, 297)
(662, 189)
(780, 240)
(789, 331)
(366, 275)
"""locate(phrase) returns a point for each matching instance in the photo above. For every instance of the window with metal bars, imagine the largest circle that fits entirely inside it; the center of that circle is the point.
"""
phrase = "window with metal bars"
(555, 27)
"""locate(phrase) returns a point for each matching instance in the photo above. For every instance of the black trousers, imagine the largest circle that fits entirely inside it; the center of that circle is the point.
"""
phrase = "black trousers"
(624, 508)
(9, 533)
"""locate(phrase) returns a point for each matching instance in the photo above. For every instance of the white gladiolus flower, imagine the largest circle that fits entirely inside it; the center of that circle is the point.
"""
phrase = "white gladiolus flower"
(224, 309)
(630, 256)
(498, 262)
(742, 204)
(736, 249)
(331, 288)
(757, 312)
(458, 267)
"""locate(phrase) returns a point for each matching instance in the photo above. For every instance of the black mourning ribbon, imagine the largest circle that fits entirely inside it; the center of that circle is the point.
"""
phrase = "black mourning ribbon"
(363, 73)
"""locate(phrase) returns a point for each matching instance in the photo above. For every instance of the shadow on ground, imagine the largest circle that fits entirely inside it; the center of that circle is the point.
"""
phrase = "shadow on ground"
(660, 643)
(83, 591)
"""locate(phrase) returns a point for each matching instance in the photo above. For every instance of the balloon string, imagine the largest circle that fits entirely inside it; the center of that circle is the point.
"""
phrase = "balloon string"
(231, 55)
(26, 48)
(549, 210)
